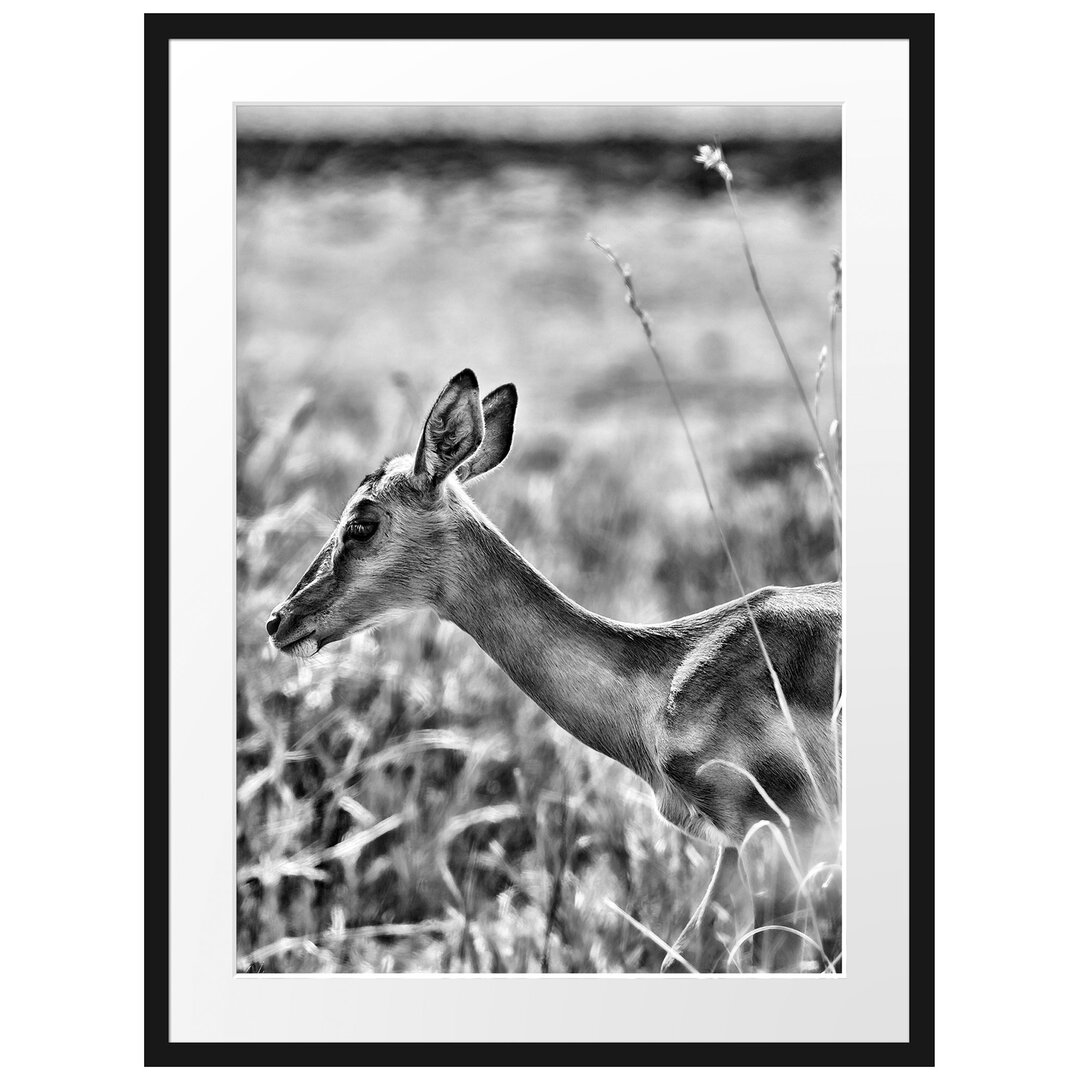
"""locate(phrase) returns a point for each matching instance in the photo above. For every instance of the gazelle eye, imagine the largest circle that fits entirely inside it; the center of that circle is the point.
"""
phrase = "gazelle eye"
(361, 531)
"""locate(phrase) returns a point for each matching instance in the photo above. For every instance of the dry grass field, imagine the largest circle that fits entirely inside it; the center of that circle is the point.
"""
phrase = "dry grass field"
(401, 805)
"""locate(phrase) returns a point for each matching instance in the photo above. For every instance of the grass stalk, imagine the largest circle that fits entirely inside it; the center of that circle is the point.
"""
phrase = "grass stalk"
(835, 302)
(786, 930)
(566, 843)
(646, 325)
(699, 912)
(655, 938)
(713, 158)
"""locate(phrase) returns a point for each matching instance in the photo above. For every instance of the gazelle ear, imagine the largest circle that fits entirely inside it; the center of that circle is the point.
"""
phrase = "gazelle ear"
(499, 408)
(453, 430)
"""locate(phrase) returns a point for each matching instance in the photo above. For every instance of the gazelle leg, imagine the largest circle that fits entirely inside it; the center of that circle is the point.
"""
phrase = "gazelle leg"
(726, 863)
(776, 905)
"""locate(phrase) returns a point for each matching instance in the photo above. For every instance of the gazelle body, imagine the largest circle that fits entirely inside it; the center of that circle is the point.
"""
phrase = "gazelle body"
(670, 701)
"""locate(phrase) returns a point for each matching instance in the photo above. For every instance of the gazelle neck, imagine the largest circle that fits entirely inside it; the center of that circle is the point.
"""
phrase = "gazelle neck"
(583, 670)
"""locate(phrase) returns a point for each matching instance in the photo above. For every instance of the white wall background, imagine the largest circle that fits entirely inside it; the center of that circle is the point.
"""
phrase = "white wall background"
(1006, 385)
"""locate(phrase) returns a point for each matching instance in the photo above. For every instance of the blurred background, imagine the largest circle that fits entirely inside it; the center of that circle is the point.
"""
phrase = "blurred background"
(402, 806)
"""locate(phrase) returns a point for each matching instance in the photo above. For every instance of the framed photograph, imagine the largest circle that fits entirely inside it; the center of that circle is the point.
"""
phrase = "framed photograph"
(539, 539)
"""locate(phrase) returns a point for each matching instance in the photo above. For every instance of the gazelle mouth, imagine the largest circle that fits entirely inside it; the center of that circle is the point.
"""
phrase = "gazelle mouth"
(301, 647)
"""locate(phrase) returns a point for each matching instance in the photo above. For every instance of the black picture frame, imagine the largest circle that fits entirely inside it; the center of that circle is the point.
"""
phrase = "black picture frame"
(159, 31)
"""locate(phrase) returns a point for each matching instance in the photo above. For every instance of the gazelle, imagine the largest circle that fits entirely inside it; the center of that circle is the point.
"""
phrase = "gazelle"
(665, 700)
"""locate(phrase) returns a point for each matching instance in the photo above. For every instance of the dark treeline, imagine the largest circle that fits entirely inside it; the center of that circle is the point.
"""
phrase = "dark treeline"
(805, 165)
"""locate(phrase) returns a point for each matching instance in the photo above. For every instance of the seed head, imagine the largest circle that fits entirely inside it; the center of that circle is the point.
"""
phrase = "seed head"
(712, 157)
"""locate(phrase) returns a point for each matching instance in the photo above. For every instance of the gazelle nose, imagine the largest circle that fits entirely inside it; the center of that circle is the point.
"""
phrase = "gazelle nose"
(272, 624)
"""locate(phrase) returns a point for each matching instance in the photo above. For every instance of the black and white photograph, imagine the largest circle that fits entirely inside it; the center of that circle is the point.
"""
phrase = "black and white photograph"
(539, 467)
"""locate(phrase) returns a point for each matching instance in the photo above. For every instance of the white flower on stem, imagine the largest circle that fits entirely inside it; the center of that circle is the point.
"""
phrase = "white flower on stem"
(712, 157)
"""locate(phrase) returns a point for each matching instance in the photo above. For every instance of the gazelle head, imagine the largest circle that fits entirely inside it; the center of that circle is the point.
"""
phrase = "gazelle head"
(392, 549)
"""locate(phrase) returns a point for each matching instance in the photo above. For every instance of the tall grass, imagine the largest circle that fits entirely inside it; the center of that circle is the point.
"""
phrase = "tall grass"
(830, 813)
(401, 805)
